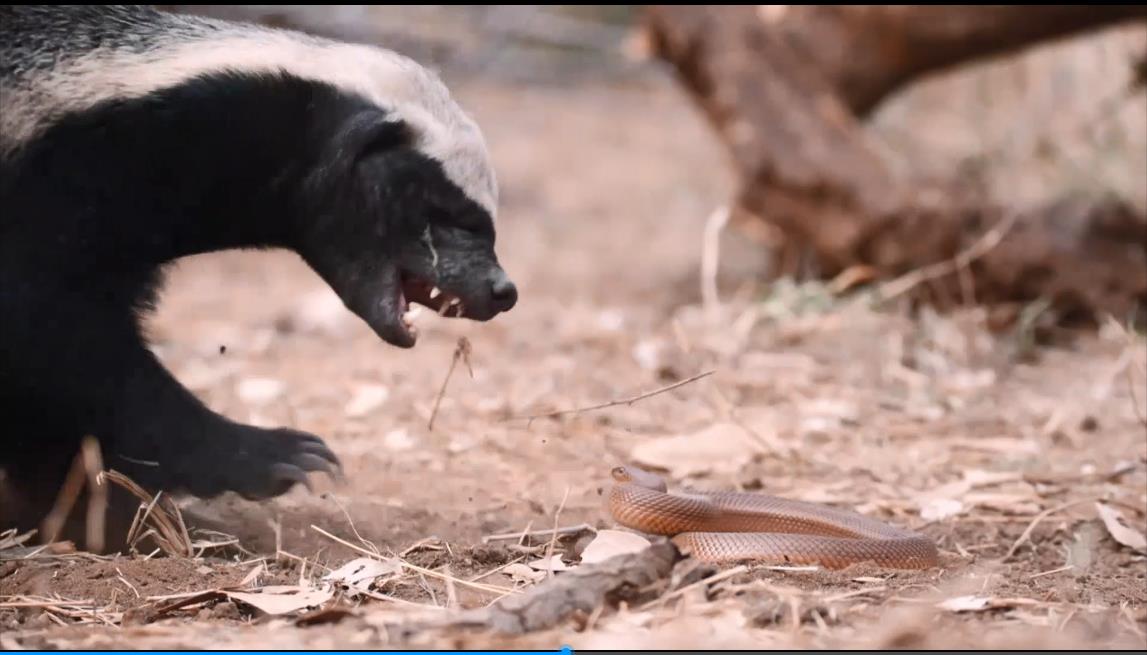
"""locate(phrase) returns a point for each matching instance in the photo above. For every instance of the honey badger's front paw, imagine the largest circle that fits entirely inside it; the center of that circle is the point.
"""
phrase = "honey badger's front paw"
(259, 464)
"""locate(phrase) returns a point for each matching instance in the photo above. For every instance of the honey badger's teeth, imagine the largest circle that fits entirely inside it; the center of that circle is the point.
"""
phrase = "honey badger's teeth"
(435, 292)
(450, 305)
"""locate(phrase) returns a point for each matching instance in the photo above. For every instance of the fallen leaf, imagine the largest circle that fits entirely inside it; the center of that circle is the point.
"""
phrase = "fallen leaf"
(610, 543)
(360, 573)
(282, 599)
(252, 575)
(1116, 526)
(521, 573)
(552, 563)
(366, 398)
(719, 448)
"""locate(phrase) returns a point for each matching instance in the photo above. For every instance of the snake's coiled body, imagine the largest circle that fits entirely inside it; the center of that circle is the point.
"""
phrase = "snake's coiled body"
(732, 526)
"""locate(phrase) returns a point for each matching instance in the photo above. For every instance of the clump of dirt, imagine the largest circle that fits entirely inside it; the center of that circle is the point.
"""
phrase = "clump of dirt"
(122, 583)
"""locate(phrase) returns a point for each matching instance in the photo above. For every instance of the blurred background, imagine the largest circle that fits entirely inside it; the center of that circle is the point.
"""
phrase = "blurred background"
(1031, 123)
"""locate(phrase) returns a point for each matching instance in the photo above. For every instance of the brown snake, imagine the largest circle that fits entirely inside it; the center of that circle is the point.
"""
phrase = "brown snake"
(736, 526)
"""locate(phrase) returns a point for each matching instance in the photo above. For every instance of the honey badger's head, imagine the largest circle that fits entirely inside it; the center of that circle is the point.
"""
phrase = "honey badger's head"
(207, 135)
(417, 187)
(396, 226)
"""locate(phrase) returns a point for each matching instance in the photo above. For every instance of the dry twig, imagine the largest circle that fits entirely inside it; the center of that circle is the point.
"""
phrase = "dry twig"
(573, 529)
(85, 471)
(554, 538)
(615, 403)
(711, 258)
(461, 351)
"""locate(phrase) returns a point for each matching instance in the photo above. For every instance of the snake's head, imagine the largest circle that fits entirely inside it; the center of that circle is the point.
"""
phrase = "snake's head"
(639, 477)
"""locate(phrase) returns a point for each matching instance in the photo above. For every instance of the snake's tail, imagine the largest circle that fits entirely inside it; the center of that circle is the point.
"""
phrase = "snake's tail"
(803, 549)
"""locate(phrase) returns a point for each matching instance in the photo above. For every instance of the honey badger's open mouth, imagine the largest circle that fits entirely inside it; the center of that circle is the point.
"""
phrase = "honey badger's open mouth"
(414, 290)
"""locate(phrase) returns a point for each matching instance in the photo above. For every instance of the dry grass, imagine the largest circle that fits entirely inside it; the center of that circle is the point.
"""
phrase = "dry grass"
(157, 518)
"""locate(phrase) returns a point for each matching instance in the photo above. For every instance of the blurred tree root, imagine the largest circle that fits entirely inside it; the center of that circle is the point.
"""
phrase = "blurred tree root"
(788, 87)
(580, 593)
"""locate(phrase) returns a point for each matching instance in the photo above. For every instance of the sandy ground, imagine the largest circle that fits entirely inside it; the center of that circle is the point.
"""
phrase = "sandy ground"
(977, 438)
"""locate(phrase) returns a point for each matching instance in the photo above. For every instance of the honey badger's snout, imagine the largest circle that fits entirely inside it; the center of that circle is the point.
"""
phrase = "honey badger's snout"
(503, 293)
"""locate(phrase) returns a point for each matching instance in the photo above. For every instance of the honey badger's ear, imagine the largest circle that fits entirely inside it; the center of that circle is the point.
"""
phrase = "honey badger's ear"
(363, 134)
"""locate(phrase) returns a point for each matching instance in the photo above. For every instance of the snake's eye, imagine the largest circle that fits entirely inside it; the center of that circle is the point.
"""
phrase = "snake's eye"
(619, 474)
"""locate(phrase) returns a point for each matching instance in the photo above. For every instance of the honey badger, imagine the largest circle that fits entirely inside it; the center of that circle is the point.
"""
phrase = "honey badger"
(130, 138)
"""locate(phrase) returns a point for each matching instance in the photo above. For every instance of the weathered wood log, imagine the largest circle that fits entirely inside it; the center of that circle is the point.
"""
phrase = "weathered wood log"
(788, 88)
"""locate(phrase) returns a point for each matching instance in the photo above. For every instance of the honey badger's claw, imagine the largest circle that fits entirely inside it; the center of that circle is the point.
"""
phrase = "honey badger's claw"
(291, 475)
(266, 463)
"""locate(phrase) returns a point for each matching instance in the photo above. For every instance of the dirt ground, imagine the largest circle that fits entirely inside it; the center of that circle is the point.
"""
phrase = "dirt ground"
(999, 448)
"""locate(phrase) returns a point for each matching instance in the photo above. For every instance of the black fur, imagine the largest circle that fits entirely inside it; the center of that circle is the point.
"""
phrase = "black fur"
(96, 206)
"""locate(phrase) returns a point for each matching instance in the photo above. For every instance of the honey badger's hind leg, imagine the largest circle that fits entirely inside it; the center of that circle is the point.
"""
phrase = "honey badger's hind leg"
(76, 364)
